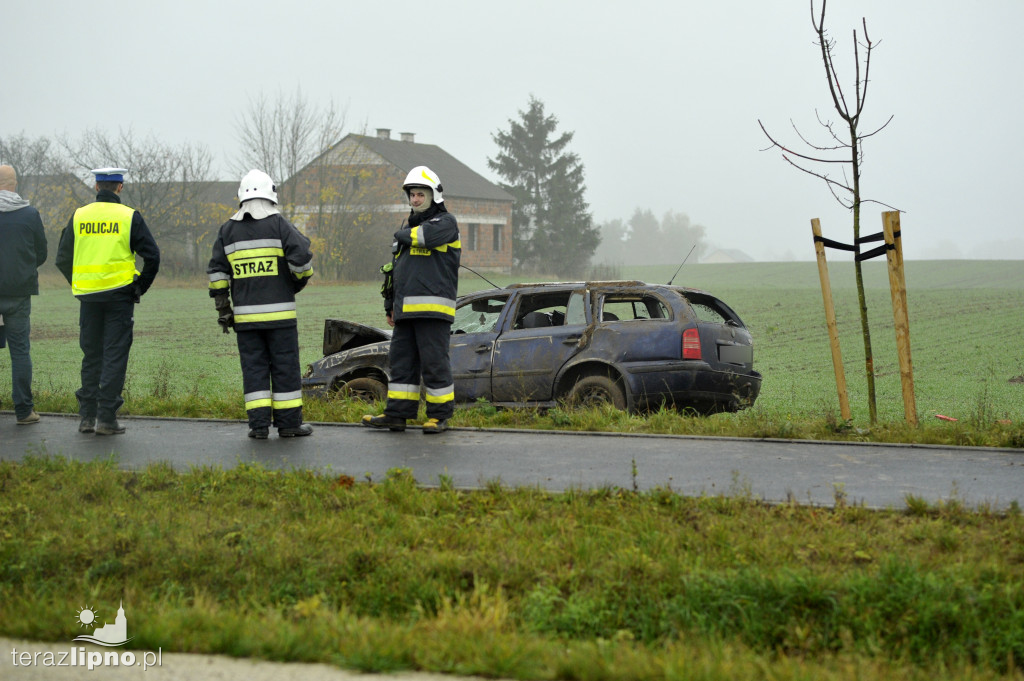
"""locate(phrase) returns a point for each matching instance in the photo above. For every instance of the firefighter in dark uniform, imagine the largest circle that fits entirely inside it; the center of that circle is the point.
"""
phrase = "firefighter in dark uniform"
(96, 255)
(260, 261)
(421, 308)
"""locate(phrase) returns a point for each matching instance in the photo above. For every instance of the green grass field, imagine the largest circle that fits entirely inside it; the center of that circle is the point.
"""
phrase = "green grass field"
(966, 330)
(603, 584)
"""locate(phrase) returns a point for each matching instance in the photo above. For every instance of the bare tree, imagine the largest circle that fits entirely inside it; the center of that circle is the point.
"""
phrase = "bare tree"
(169, 185)
(282, 136)
(44, 179)
(343, 204)
(844, 150)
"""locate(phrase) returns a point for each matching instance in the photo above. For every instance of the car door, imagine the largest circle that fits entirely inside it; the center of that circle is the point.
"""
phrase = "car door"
(474, 330)
(634, 326)
(529, 354)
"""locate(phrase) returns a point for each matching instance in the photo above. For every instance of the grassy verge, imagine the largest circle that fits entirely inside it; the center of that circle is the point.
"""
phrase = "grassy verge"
(965, 332)
(759, 422)
(607, 584)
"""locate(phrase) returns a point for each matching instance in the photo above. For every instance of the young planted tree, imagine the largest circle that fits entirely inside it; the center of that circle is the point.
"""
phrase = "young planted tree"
(843, 149)
(552, 229)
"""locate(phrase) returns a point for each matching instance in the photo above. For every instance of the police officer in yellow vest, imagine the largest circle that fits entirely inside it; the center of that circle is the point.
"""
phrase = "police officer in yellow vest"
(97, 256)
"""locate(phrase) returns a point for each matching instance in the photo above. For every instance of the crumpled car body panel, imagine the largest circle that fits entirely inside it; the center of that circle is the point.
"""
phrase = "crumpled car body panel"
(532, 344)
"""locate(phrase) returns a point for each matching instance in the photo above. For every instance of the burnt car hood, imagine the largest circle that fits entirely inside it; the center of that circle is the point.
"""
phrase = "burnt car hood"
(340, 334)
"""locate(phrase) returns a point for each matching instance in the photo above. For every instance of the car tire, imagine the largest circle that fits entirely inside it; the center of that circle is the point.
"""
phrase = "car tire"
(595, 390)
(364, 388)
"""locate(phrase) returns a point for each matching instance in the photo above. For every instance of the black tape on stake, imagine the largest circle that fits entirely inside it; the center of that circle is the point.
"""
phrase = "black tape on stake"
(828, 243)
(875, 252)
(880, 236)
(867, 255)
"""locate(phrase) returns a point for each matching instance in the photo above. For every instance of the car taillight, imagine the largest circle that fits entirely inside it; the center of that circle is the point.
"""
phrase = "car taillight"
(691, 344)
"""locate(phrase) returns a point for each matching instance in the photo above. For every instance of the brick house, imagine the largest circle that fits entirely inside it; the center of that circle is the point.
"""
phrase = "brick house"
(368, 171)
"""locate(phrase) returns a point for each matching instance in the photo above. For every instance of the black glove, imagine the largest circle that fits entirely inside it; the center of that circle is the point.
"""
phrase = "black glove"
(136, 292)
(226, 317)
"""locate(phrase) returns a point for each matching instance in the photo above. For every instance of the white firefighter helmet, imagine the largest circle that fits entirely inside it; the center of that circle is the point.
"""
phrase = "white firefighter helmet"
(422, 176)
(256, 185)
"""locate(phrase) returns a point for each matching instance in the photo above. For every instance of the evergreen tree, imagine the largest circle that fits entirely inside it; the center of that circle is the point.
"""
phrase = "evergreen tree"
(552, 229)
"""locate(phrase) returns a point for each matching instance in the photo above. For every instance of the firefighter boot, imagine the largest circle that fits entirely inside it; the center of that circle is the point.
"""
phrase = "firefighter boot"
(392, 423)
(434, 426)
(302, 430)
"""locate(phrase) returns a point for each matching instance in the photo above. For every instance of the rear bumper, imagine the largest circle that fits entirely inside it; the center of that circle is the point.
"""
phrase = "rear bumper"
(694, 384)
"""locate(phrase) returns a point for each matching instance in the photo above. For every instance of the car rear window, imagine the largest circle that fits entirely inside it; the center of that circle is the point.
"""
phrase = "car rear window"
(709, 309)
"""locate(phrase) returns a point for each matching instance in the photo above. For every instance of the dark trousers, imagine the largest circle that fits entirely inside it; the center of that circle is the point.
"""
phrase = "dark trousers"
(105, 336)
(419, 352)
(271, 377)
(17, 327)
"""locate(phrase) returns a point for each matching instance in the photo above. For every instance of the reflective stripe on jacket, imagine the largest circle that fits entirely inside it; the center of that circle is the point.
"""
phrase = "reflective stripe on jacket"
(426, 270)
(103, 257)
(263, 263)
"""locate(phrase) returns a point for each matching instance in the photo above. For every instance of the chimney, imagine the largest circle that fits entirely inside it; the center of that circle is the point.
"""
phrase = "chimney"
(383, 133)
(408, 136)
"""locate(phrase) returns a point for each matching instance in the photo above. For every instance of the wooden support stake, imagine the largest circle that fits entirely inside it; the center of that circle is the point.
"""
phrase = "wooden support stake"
(830, 321)
(898, 289)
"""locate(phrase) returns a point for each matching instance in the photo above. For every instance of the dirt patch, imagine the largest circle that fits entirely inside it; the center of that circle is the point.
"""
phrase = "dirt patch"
(1017, 379)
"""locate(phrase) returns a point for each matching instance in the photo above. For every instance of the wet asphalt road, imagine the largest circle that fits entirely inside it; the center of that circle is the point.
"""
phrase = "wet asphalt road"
(877, 476)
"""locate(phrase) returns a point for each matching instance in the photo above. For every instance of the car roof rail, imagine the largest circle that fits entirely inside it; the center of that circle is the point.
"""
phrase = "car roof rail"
(590, 284)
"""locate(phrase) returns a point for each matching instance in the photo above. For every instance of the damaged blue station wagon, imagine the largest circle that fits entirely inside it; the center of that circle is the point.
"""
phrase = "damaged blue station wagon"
(633, 345)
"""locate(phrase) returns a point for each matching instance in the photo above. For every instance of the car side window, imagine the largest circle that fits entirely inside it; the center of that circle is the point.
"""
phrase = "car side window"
(479, 314)
(630, 307)
(575, 312)
(542, 310)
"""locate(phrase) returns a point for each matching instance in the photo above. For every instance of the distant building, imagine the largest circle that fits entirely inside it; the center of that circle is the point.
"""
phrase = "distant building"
(351, 196)
(726, 255)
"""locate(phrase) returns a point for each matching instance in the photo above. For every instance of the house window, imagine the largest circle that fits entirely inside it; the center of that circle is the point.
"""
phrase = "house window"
(496, 232)
(471, 237)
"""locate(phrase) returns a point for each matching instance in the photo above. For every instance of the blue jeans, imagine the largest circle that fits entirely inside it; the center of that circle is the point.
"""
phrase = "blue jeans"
(16, 313)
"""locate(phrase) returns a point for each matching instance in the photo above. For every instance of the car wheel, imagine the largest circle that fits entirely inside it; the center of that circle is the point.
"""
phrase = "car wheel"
(364, 388)
(596, 390)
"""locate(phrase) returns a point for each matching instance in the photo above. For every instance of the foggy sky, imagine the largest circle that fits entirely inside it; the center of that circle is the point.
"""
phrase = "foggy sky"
(663, 97)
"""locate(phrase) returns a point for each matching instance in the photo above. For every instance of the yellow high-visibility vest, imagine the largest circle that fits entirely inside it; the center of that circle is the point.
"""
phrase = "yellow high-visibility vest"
(103, 255)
